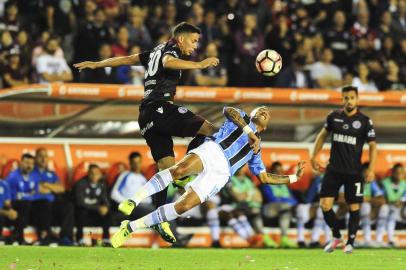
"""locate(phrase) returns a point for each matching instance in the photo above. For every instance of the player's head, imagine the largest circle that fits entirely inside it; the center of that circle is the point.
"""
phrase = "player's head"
(276, 168)
(94, 173)
(135, 161)
(187, 36)
(261, 117)
(27, 163)
(41, 157)
(350, 98)
(398, 172)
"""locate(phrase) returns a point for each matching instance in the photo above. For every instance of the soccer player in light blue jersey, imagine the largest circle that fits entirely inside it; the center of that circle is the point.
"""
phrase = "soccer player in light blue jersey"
(214, 162)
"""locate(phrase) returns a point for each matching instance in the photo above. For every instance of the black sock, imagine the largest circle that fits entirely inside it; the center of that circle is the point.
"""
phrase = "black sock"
(353, 226)
(331, 220)
(196, 142)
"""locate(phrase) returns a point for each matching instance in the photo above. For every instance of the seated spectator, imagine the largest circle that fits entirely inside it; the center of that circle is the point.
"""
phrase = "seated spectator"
(391, 80)
(101, 75)
(92, 204)
(6, 46)
(394, 188)
(24, 190)
(324, 73)
(13, 74)
(133, 75)
(10, 22)
(51, 68)
(363, 82)
(295, 76)
(52, 190)
(138, 33)
(399, 21)
(121, 46)
(7, 213)
(216, 76)
(210, 31)
(279, 203)
(127, 184)
(39, 48)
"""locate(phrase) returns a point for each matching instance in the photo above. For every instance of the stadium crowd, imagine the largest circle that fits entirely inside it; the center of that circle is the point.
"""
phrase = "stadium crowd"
(32, 194)
(324, 44)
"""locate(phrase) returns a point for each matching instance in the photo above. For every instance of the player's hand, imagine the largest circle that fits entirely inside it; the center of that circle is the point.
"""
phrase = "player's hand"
(12, 214)
(103, 210)
(300, 169)
(86, 64)
(370, 176)
(209, 62)
(254, 142)
(316, 166)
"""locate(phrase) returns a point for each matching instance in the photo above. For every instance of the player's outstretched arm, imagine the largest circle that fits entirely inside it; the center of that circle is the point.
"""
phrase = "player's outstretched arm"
(278, 179)
(110, 62)
(318, 145)
(171, 62)
(234, 115)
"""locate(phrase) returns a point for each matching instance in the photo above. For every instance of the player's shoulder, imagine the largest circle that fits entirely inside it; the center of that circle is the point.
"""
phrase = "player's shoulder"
(363, 116)
(171, 47)
(336, 113)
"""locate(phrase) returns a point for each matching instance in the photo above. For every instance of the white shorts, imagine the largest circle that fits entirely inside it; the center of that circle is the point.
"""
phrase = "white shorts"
(215, 174)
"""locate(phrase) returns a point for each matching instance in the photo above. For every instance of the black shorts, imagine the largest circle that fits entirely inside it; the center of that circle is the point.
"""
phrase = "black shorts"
(160, 120)
(353, 186)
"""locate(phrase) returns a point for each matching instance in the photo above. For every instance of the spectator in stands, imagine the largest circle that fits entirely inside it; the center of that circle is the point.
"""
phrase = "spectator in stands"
(53, 191)
(279, 203)
(324, 73)
(210, 30)
(121, 46)
(7, 213)
(399, 21)
(401, 58)
(6, 46)
(133, 75)
(92, 205)
(385, 25)
(394, 188)
(13, 73)
(362, 81)
(391, 80)
(39, 49)
(294, 75)
(373, 201)
(128, 183)
(338, 38)
(139, 34)
(10, 21)
(51, 68)
(249, 42)
(101, 75)
(24, 189)
(216, 76)
(24, 49)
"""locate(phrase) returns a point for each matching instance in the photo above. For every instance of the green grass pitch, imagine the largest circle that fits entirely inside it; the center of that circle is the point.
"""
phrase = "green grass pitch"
(45, 258)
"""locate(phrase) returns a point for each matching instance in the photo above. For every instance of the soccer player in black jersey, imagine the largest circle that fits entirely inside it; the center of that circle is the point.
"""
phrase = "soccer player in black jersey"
(159, 118)
(350, 129)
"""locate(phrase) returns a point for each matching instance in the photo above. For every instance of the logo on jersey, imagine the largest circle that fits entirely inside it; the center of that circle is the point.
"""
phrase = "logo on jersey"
(356, 124)
(346, 126)
(182, 110)
(160, 110)
(338, 120)
(371, 133)
(344, 139)
(147, 126)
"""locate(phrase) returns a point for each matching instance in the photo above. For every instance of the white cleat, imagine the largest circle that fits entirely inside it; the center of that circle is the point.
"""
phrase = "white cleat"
(330, 247)
(348, 249)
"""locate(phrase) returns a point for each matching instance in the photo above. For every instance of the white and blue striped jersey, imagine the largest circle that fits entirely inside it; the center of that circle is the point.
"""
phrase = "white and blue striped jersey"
(234, 143)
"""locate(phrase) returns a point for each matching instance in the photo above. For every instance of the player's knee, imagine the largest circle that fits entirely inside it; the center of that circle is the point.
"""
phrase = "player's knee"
(178, 171)
(354, 207)
(325, 206)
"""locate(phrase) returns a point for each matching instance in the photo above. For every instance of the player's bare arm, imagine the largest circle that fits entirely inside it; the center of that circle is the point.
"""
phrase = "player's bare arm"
(170, 62)
(277, 179)
(372, 160)
(318, 145)
(110, 62)
(234, 115)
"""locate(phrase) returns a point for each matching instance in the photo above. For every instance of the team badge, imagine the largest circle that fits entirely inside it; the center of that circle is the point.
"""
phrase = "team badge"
(356, 124)
(345, 126)
(182, 110)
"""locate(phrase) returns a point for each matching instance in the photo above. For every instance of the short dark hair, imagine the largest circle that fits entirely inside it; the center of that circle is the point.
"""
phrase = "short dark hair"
(133, 155)
(274, 165)
(93, 166)
(185, 27)
(396, 166)
(349, 88)
(27, 156)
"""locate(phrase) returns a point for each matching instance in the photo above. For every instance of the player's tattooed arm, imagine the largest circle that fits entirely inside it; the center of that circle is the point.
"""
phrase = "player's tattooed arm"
(278, 179)
(110, 62)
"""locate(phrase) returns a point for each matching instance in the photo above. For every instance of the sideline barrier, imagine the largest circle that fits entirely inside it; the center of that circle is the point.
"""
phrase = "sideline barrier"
(212, 94)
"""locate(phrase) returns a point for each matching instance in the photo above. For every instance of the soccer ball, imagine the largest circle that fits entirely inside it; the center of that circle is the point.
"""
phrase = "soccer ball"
(268, 62)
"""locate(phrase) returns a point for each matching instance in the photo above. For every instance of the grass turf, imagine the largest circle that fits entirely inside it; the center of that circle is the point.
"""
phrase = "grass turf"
(45, 258)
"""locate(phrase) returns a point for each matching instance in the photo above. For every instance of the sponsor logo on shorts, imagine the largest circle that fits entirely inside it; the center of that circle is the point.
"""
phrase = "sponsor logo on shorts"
(147, 126)
(356, 124)
(182, 110)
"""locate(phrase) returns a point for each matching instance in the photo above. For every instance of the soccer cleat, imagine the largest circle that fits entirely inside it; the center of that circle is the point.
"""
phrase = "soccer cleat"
(287, 243)
(330, 247)
(181, 183)
(127, 207)
(269, 242)
(165, 232)
(348, 249)
(118, 239)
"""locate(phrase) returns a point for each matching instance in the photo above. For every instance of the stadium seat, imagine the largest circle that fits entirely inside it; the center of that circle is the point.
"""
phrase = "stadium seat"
(10, 166)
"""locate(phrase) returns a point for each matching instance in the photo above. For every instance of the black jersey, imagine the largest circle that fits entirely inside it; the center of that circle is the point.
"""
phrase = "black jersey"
(348, 137)
(160, 83)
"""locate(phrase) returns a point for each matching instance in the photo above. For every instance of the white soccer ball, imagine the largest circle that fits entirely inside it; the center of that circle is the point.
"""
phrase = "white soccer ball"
(268, 62)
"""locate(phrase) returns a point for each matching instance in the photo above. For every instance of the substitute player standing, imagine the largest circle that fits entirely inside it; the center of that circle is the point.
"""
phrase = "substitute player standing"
(159, 118)
(350, 130)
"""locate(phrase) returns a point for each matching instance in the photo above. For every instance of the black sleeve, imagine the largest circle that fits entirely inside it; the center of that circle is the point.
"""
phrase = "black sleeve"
(104, 199)
(327, 124)
(144, 58)
(172, 50)
(370, 131)
(80, 196)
